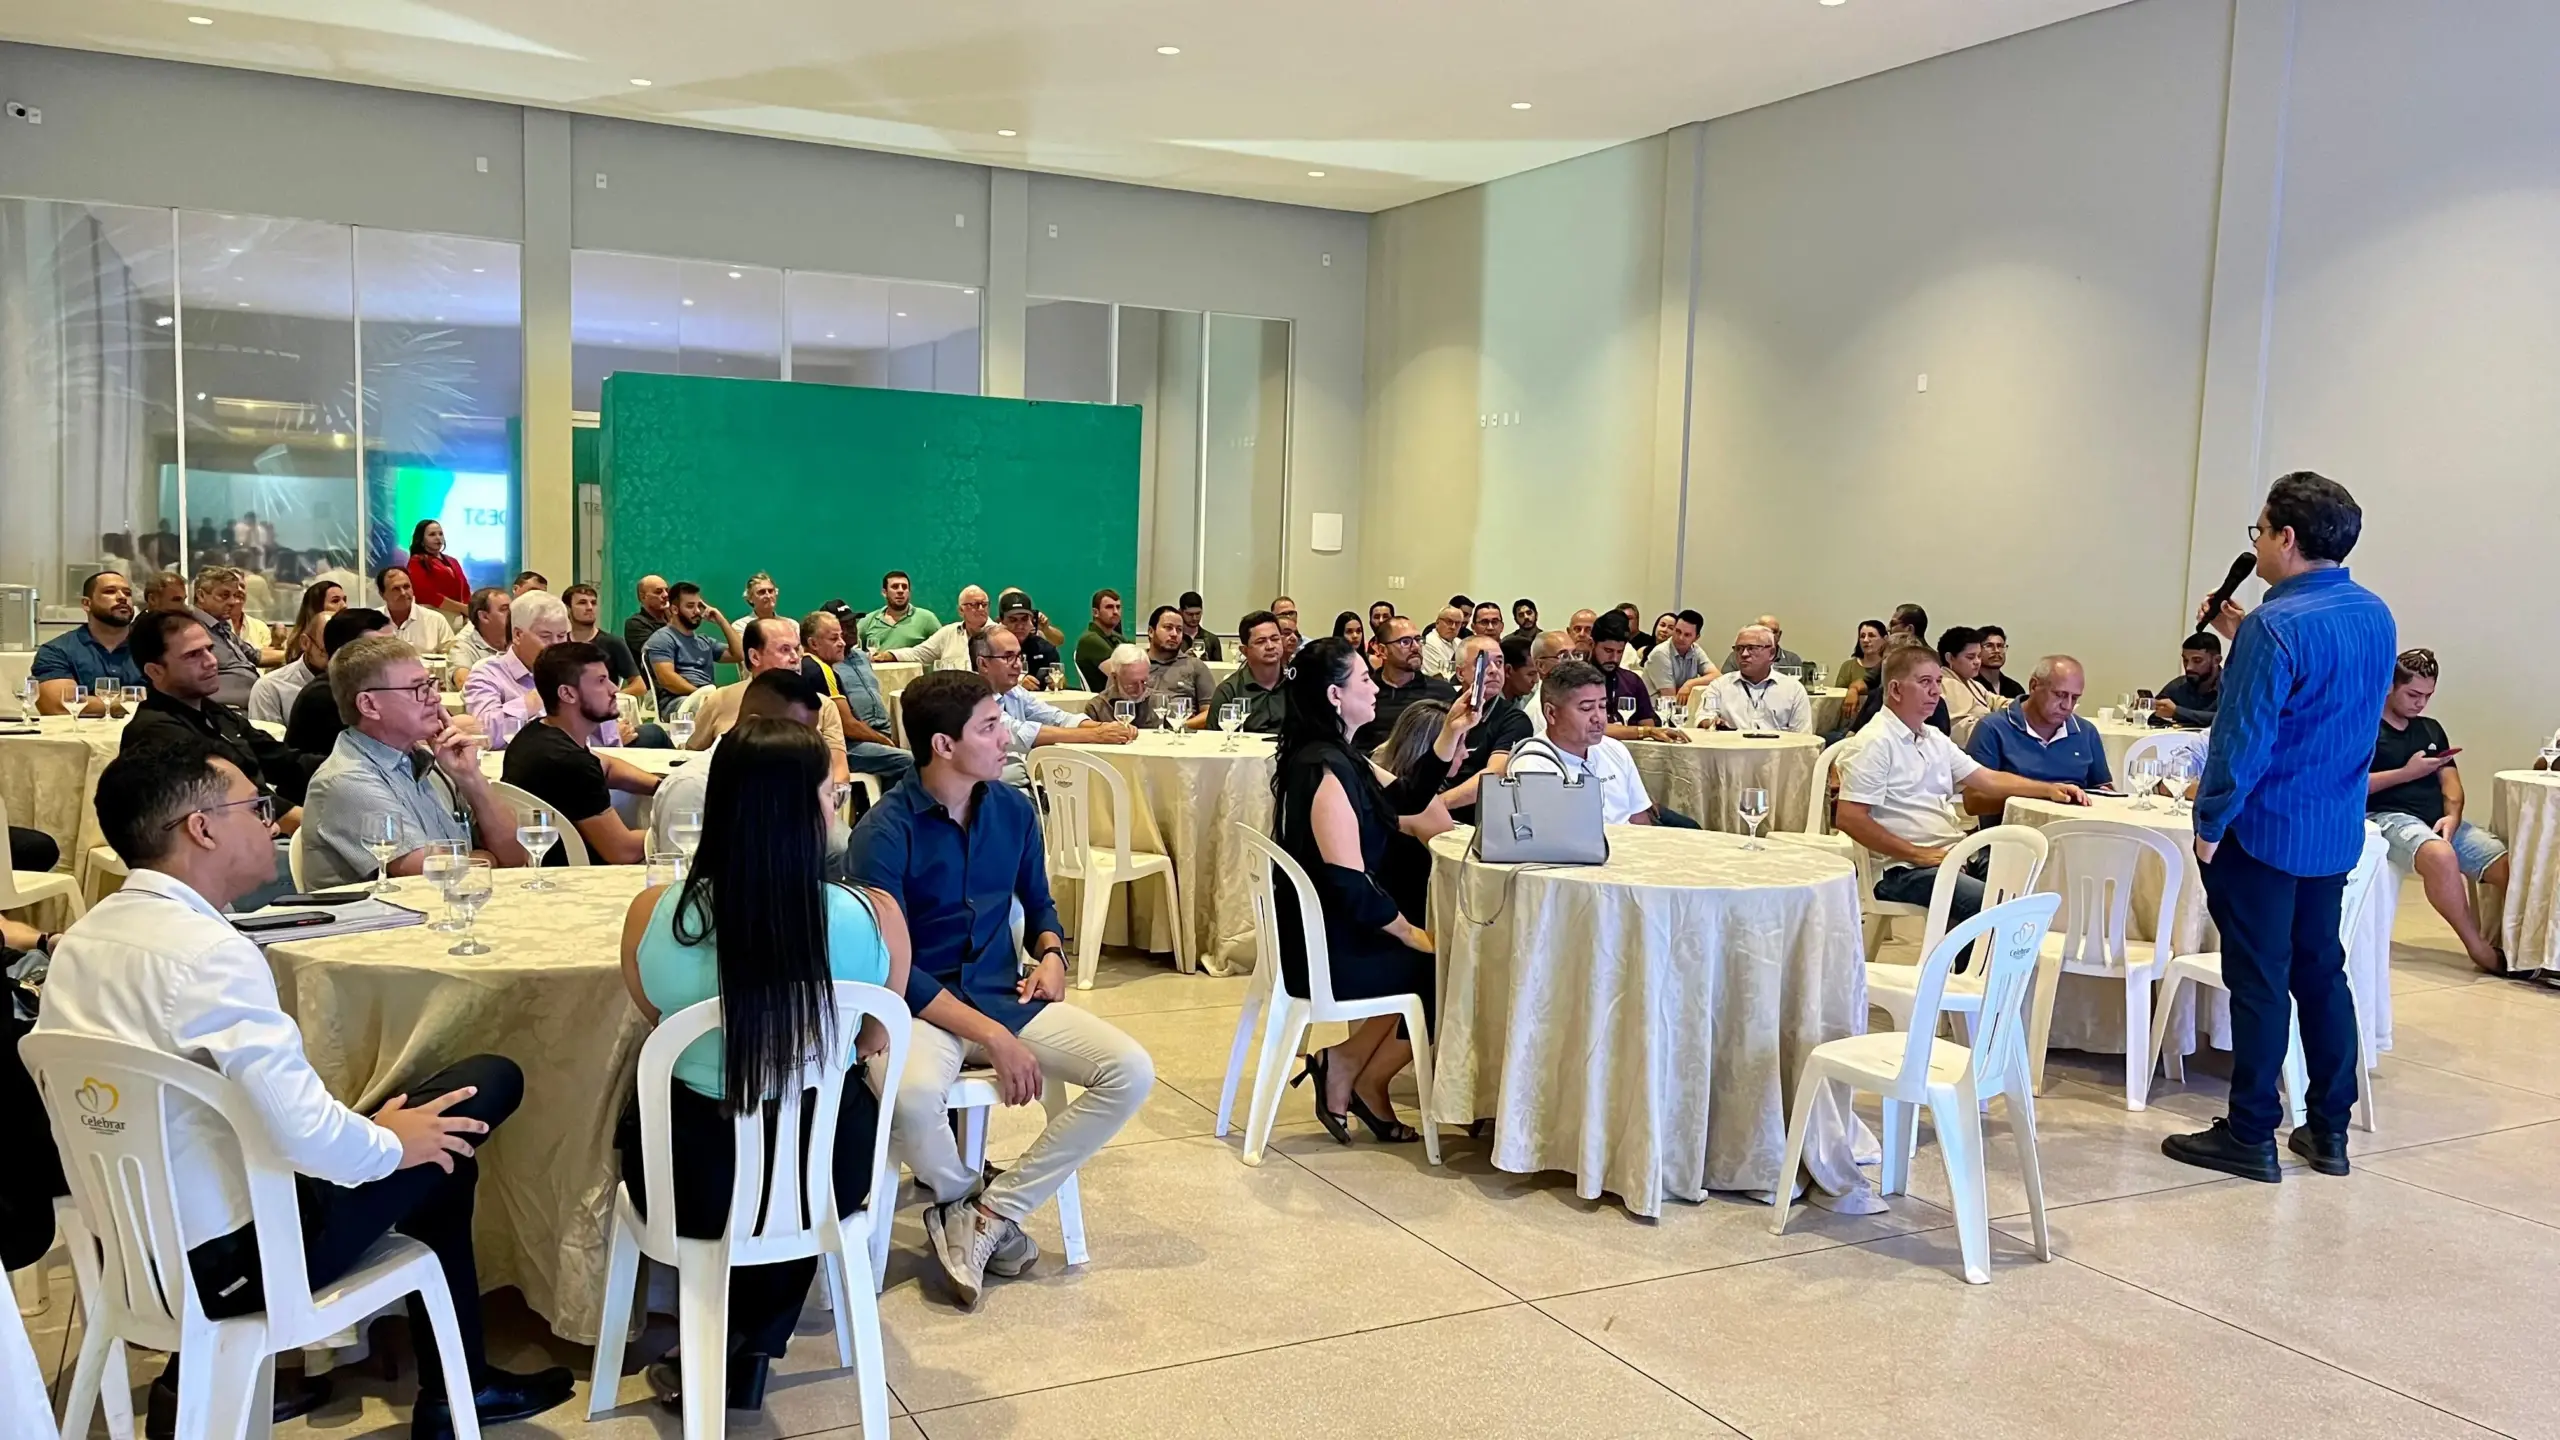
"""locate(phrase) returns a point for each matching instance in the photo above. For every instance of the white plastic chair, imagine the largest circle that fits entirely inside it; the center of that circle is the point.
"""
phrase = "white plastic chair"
(1817, 810)
(1077, 792)
(293, 861)
(110, 1103)
(524, 802)
(1286, 1017)
(2161, 746)
(2017, 863)
(2101, 858)
(782, 1206)
(1913, 1068)
(22, 888)
(2205, 969)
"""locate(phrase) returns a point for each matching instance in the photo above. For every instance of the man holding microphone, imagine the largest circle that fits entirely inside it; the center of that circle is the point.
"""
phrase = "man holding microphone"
(2279, 821)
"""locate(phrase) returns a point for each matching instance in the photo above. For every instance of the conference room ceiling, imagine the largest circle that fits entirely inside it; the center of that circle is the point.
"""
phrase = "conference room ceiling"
(1347, 104)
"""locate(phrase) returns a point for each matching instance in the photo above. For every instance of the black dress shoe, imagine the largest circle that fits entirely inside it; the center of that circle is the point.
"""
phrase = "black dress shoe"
(2327, 1153)
(297, 1395)
(502, 1397)
(2219, 1149)
(747, 1377)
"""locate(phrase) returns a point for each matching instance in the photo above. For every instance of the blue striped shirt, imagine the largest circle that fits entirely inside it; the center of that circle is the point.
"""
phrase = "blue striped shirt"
(2285, 771)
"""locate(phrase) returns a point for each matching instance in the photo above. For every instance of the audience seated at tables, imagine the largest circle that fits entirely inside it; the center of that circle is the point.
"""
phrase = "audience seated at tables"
(157, 965)
(1895, 639)
(1400, 682)
(1909, 622)
(423, 626)
(1861, 675)
(182, 676)
(239, 657)
(1968, 700)
(771, 695)
(1576, 700)
(948, 647)
(1639, 639)
(1172, 674)
(485, 633)
(1488, 621)
(1663, 625)
(1627, 691)
(1351, 630)
(394, 717)
(586, 613)
(771, 645)
(652, 616)
(1338, 815)
(1285, 610)
(502, 694)
(1196, 642)
(1547, 650)
(763, 597)
(528, 580)
(440, 583)
(680, 655)
(1416, 729)
(91, 651)
(957, 851)
(1256, 683)
(1524, 620)
(1041, 667)
(2042, 737)
(1578, 630)
(1510, 685)
(1896, 796)
(1995, 664)
(1102, 635)
(1440, 642)
(2415, 796)
(166, 593)
(271, 699)
(311, 730)
(844, 677)
(1677, 667)
(757, 925)
(1787, 661)
(1125, 678)
(1030, 721)
(2191, 699)
(1755, 695)
(552, 759)
(1380, 612)
(899, 621)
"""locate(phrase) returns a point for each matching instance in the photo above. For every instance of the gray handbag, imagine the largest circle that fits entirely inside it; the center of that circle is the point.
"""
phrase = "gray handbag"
(1541, 816)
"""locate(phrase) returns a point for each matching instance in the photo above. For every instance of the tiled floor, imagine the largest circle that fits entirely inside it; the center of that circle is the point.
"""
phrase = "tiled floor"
(1337, 1291)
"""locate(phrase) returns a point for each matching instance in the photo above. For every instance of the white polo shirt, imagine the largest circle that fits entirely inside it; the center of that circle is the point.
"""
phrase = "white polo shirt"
(1777, 703)
(1906, 779)
(1622, 792)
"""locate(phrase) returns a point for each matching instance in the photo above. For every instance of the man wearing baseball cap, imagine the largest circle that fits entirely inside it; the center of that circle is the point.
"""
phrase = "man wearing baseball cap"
(1039, 656)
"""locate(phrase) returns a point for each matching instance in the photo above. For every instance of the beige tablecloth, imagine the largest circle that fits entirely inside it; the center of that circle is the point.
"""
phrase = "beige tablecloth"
(2526, 814)
(49, 782)
(1704, 778)
(1826, 707)
(2117, 736)
(2088, 1010)
(1189, 792)
(894, 675)
(379, 1011)
(1642, 1023)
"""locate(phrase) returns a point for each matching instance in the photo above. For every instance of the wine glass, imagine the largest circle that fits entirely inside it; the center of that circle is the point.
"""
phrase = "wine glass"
(110, 693)
(1752, 805)
(79, 703)
(27, 697)
(1180, 709)
(1230, 720)
(443, 857)
(466, 889)
(1626, 710)
(2142, 777)
(381, 835)
(684, 827)
(680, 729)
(1126, 711)
(2185, 766)
(2550, 753)
(536, 832)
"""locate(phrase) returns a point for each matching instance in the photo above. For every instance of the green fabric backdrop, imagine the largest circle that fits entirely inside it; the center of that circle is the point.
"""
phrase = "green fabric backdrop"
(828, 486)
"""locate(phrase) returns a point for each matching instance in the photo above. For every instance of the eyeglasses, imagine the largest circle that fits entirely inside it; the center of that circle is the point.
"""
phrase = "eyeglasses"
(264, 806)
(2257, 533)
(424, 691)
(1404, 640)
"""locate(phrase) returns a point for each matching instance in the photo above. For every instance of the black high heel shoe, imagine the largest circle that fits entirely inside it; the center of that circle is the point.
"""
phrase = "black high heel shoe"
(1389, 1132)
(1334, 1122)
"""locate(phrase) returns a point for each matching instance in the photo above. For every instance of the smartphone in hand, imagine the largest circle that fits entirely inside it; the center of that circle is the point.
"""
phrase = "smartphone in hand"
(1476, 690)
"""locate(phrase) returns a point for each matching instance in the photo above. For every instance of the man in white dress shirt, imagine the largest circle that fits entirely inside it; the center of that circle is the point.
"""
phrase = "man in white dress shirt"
(423, 626)
(156, 965)
(1753, 695)
(1440, 643)
(948, 647)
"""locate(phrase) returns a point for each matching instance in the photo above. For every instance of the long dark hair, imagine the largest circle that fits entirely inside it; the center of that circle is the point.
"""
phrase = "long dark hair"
(1310, 718)
(307, 622)
(1345, 621)
(418, 536)
(757, 892)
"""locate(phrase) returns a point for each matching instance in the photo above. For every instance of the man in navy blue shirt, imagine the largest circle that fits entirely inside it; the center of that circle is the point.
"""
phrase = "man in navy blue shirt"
(79, 659)
(2042, 737)
(2280, 821)
(959, 850)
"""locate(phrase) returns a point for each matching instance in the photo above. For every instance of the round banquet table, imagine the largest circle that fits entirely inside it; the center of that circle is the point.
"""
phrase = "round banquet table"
(380, 1010)
(1826, 706)
(15, 667)
(2088, 1010)
(49, 782)
(894, 675)
(1189, 792)
(1703, 778)
(2117, 736)
(1642, 1023)
(2526, 814)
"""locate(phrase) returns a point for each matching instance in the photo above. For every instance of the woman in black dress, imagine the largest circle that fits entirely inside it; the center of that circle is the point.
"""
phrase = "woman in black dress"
(1339, 816)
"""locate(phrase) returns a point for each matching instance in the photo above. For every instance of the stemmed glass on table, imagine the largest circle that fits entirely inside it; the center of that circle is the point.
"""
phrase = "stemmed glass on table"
(442, 858)
(381, 835)
(1752, 806)
(1626, 710)
(680, 728)
(110, 693)
(1231, 719)
(79, 703)
(466, 889)
(1125, 711)
(2140, 778)
(684, 827)
(537, 834)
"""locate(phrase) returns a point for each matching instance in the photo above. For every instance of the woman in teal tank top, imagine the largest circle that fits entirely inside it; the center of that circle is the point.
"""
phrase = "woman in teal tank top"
(756, 924)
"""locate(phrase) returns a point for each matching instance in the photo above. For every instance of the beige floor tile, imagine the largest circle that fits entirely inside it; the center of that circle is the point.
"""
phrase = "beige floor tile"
(2517, 1171)
(1493, 1374)
(1884, 1340)
(1167, 1115)
(2092, 1148)
(2500, 1032)
(1128, 982)
(1194, 1256)
(2414, 1290)
(1533, 1236)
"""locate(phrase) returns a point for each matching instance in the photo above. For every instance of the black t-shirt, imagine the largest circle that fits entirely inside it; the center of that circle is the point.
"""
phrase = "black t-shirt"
(2394, 748)
(311, 727)
(547, 764)
(1392, 700)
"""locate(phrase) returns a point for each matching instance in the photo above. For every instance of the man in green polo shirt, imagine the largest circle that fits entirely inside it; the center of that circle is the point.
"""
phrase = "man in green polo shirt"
(898, 623)
(1100, 638)
(1256, 682)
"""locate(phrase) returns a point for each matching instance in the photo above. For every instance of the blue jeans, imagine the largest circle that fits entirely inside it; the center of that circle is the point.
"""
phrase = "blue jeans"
(888, 762)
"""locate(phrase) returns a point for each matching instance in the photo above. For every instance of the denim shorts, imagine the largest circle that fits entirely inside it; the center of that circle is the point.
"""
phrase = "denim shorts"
(2474, 849)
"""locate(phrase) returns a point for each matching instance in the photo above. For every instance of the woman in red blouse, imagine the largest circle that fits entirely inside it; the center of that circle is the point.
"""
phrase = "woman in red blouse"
(437, 576)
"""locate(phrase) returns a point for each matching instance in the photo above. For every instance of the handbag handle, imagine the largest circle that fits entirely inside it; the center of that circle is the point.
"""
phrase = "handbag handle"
(1539, 745)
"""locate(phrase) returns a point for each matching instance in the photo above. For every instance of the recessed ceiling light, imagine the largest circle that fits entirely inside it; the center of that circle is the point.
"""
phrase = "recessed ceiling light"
(1168, 49)
(636, 80)
(439, 319)
(1834, 2)
(688, 302)
(235, 249)
(902, 314)
(1315, 174)
(1008, 134)
(1519, 104)
(968, 292)
(734, 275)
(654, 324)
(199, 19)
(831, 334)
(163, 320)
(479, 269)
(244, 304)
(199, 394)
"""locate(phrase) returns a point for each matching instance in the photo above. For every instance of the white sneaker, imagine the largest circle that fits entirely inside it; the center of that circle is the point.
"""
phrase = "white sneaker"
(964, 1239)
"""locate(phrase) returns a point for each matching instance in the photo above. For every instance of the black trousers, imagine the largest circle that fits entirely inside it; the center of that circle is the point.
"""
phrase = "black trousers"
(2281, 954)
(32, 849)
(422, 1202)
(764, 1300)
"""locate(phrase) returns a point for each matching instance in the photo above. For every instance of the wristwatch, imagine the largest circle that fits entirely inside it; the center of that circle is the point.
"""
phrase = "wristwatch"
(1048, 950)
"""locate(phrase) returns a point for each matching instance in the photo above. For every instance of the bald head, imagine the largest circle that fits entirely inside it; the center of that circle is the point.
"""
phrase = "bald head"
(1777, 632)
(1578, 630)
(2054, 689)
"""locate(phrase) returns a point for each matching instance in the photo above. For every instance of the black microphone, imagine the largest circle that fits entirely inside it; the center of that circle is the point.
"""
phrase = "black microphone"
(2242, 566)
